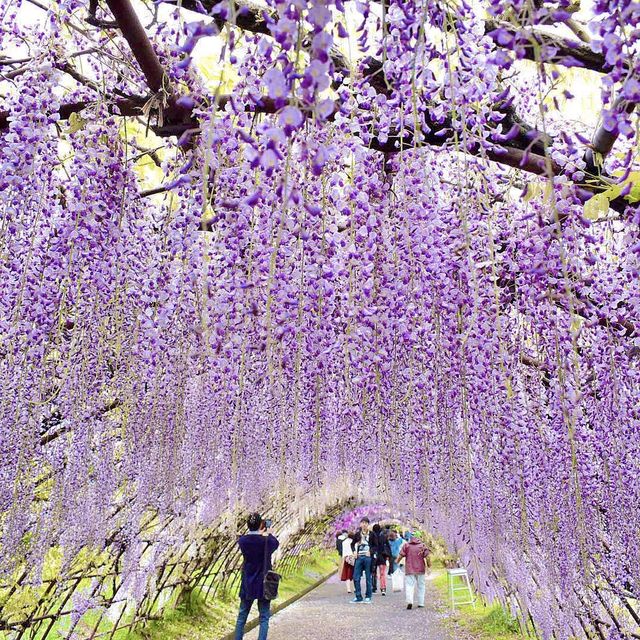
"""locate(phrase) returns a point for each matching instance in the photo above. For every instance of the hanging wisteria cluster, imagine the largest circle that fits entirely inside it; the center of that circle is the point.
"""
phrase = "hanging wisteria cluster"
(377, 260)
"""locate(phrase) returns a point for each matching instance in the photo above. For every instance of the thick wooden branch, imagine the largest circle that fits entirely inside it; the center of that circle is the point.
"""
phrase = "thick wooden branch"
(93, 19)
(534, 363)
(506, 154)
(439, 136)
(134, 33)
(566, 52)
(123, 107)
(254, 18)
(580, 30)
(247, 15)
(251, 17)
(625, 328)
(533, 41)
(531, 143)
(525, 152)
(10, 61)
(604, 139)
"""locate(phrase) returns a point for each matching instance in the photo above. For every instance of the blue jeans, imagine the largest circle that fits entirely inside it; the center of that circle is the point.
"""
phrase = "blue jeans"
(264, 608)
(362, 564)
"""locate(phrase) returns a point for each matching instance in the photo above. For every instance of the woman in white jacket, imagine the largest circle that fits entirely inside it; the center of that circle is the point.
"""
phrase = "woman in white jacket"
(346, 570)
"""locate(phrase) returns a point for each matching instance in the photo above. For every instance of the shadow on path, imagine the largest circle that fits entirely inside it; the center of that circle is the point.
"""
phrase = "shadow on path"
(326, 613)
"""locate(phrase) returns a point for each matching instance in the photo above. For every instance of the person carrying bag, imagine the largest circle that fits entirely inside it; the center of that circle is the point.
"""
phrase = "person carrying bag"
(271, 579)
(397, 579)
(417, 560)
(259, 581)
(348, 561)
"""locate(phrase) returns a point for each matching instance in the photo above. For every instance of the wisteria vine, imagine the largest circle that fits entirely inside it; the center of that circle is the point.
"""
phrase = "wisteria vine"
(327, 247)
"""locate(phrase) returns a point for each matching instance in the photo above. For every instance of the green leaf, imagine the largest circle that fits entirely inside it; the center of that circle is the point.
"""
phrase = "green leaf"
(533, 191)
(633, 196)
(76, 123)
(597, 206)
(634, 179)
(598, 159)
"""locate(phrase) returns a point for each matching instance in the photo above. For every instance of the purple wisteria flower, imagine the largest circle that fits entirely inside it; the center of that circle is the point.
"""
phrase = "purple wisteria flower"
(405, 278)
(290, 119)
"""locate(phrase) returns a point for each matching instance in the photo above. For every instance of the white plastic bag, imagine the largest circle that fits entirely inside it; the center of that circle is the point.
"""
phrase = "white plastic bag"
(397, 579)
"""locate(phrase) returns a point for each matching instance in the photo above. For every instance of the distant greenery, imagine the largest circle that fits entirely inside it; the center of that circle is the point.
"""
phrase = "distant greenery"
(197, 619)
(485, 620)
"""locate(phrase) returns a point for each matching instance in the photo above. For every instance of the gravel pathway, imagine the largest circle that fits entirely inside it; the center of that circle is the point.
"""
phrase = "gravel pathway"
(326, 613)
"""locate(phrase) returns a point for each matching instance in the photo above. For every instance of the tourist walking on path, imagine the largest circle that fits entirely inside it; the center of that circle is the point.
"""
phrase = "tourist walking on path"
(348, 560)
(374, 557)
(257, 546)
(363, 541)
(416, 556)
(382, 554)
(395, 544)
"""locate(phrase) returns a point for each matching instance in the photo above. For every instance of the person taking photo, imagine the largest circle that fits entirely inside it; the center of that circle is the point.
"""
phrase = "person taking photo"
(257, 547)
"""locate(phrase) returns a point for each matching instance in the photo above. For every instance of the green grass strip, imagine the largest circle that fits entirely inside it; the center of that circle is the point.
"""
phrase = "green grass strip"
(485, 620)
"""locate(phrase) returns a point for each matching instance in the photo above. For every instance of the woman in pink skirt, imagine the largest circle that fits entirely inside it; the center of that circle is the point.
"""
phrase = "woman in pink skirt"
(346, 574)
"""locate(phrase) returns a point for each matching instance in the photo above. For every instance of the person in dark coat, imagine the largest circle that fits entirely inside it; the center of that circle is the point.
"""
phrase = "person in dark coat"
(256, 546)
(374, 558)
(382, 553)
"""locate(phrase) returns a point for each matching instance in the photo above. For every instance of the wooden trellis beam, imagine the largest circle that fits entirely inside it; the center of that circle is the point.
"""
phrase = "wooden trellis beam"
(250, 16)
(42, 616)
(134, 33)
(580, 54)
(527, 154)
(247, 15)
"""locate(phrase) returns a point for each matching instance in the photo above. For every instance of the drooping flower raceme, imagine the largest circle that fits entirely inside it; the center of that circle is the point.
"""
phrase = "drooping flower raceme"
(352, 281)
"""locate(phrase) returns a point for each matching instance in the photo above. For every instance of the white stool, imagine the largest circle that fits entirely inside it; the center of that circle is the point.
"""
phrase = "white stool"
(455, 587)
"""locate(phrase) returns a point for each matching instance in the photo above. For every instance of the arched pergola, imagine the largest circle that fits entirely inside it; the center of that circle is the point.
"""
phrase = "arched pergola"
(295, 253)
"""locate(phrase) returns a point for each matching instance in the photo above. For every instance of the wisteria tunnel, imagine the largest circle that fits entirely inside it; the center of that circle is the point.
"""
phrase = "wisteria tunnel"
(298, 256)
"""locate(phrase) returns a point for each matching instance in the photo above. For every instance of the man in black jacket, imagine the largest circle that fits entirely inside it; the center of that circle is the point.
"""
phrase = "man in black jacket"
(363, 544)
